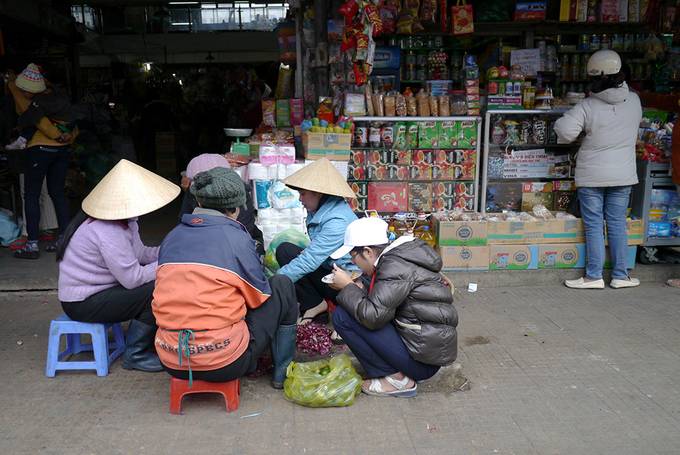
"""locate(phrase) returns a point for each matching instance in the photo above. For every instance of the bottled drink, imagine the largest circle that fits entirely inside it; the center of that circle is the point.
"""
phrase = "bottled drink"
(391, 234)
(427, 236)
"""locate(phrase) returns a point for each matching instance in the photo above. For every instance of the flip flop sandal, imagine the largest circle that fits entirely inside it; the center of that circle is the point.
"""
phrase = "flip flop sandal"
(336, 339)
(26, 254)
(305, 320)
(375, 388)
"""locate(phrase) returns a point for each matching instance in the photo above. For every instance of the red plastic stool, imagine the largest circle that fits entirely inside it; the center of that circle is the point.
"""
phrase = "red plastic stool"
(230, 391)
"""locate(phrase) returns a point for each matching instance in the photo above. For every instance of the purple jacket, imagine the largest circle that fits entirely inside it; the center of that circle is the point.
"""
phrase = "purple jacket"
(103, 254)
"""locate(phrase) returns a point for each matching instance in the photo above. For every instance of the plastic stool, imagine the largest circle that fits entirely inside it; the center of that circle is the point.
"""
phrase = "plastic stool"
(103, 356)
(230, 391)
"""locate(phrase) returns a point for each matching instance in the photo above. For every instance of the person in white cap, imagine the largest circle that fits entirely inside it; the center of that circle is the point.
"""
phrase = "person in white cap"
(106, 273)
(605, 166)
(402, 329)
(322, 191)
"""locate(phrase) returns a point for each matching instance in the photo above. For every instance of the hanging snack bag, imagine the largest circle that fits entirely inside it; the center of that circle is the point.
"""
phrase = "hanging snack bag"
(462, 18)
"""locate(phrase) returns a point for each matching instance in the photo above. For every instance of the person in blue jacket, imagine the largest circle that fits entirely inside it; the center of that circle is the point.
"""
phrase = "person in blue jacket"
(322, 192)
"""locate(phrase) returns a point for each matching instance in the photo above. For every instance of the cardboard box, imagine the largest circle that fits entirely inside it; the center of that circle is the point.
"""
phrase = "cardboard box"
(457, 233)
(388, 197)
(562, 256)
(467, 134)
(513, 257)
(428, 134)
(536, 232)
(333, 146)
(635, 231)
(465, 257)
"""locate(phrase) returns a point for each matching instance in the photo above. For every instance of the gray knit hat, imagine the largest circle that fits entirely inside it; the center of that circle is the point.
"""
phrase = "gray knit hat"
(219, 188)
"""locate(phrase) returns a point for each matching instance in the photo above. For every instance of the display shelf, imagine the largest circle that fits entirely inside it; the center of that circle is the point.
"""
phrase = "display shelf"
(470, 162)
(494, 149)
(553, 27)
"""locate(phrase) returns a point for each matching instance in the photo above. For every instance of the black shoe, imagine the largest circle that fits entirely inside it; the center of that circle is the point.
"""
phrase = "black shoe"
(138, 341)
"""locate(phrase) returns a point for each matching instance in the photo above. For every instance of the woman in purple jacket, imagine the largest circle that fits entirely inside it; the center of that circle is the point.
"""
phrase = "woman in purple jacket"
(106, 273)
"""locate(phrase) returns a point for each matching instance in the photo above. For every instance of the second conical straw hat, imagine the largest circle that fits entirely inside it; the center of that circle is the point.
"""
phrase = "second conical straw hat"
(321, 176)
(128, 191)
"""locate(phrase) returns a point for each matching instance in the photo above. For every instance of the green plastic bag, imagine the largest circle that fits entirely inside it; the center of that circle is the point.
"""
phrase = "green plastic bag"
(289, 235)
(322, 384)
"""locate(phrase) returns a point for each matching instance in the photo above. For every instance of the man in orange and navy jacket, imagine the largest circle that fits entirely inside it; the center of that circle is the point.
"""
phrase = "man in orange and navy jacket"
(215, 310)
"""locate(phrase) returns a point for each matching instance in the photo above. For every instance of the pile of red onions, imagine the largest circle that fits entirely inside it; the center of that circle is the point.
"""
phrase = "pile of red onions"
(314, 338)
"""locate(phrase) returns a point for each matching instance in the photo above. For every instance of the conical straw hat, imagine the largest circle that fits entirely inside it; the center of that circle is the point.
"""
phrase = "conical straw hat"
(128, 191)
(321, 176)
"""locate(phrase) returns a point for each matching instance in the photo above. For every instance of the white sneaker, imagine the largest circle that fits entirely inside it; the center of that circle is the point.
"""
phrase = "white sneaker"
(629, 283)
(581, 283)
(19, 144)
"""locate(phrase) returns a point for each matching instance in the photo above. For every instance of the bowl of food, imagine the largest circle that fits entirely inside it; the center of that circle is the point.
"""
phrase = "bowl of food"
(328, 279)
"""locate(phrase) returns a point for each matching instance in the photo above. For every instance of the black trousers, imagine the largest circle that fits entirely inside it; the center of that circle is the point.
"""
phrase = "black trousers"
(263, 322)
(115, 304)
(49, 163)
(310, 289)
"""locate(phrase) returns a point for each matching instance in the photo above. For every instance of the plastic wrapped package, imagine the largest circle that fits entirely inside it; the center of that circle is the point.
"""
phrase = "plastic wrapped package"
(293, 236)
(324, 383)
(540, 211)
(282, 197)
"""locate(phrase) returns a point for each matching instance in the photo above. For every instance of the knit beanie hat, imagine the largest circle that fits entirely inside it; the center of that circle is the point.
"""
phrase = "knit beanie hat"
(219, 188)
(31, 79)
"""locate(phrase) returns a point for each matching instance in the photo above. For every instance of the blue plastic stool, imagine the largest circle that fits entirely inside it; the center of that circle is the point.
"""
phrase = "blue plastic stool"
(103, 356)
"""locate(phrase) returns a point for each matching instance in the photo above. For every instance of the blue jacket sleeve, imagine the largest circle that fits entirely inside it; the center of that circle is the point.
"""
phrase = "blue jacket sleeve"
(322, 246)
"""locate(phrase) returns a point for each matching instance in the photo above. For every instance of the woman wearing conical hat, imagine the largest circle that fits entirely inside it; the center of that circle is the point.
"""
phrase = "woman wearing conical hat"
(322, 191)
(106, 273)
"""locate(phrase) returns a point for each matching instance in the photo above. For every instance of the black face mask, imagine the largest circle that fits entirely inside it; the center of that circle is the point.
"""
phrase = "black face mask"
(601, 83)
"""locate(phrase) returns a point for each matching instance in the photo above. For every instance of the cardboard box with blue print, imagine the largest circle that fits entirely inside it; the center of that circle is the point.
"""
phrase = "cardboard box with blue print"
(513, 257)
(533, 232)
(562, 256)
(458, 233)
(465, 257)
(333, 146)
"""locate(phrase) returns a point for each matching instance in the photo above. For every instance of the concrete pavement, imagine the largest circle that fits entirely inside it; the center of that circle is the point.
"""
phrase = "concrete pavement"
(552, 371)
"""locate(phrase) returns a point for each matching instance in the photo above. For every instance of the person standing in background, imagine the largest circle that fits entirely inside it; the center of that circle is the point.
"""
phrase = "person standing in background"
(605, 166)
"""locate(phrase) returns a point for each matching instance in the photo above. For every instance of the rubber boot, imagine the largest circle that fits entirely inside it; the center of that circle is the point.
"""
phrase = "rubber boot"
(138, 339)
(283, 351)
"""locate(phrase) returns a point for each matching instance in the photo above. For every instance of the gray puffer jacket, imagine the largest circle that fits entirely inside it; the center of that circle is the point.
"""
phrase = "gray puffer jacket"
(409, 292)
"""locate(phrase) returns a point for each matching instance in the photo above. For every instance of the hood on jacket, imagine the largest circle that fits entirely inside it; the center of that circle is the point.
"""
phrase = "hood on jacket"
(418, 253)
(613, 95)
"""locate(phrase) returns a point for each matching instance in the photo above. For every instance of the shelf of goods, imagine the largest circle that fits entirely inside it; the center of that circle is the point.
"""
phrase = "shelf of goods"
(656, 203)
(523, 165)
(415, 164)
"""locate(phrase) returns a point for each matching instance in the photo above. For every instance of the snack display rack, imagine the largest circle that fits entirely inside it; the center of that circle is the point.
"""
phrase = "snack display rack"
(531, 157)
(425, 177)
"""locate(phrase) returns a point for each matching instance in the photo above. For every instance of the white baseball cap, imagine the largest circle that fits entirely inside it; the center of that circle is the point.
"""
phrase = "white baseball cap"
(368, 231)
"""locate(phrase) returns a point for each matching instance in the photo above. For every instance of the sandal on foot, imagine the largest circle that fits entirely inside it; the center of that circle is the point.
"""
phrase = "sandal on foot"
(305, 320)
(375, 388)
(336, 338)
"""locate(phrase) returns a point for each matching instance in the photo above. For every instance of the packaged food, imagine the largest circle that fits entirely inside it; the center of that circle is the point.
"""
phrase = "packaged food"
(434, 106)
(412, 129)
(361, 136)
(400, 136)
(369, 99)
(401, 109)
(269, 113)
(447, 134)
(297, 111)
(390, 104)
(374, 135)
(411, 106)
(428, 135)
(387, 136)
(444, 106)
(402, 157)
(378, 107)
(282, 113)
(422, 157)
(423, 101)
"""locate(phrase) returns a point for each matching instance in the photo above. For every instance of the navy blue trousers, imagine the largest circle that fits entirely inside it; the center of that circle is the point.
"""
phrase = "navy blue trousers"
(381, 352)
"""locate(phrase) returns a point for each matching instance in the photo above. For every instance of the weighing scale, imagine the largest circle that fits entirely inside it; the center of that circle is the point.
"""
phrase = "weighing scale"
(238, 147)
